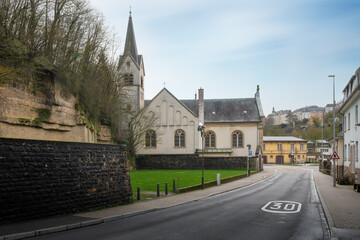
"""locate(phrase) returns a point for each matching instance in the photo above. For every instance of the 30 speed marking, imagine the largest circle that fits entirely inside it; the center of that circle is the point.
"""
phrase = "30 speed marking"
(282, 207)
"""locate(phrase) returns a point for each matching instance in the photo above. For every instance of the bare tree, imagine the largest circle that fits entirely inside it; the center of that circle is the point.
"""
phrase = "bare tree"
(66, 41)
(139, 125)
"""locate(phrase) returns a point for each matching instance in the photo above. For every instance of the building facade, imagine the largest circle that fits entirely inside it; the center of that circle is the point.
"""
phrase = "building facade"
(284, 149)
(231, 125)
(351, 127)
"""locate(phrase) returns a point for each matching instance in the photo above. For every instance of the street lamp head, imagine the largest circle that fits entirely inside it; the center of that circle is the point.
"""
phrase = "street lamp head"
(201, 127)
(331, 76)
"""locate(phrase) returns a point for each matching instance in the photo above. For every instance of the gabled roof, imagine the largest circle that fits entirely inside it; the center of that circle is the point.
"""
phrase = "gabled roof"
(227, 110)
(282, 139)
(147, 102)
(222, 110)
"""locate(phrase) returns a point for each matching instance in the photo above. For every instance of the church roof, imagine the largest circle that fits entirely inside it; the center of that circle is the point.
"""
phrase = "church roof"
(130, 43)
(227, 110)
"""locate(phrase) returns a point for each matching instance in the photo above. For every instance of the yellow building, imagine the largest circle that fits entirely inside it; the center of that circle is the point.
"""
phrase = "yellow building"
(284, 149)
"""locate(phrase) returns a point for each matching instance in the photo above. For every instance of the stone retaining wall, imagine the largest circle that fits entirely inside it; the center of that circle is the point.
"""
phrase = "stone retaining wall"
(192, 161)
(43, 178)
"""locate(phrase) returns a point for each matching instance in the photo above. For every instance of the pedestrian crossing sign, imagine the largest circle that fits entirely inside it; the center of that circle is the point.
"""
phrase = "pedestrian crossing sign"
(335, 156)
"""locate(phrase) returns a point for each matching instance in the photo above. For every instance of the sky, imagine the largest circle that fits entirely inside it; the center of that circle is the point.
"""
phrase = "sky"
(228, 47)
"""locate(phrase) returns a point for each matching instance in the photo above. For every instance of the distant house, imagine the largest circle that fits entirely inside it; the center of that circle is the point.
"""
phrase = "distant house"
(309, 112)
(284, 149)
(323, 147)
(351, 127)
(279, 117)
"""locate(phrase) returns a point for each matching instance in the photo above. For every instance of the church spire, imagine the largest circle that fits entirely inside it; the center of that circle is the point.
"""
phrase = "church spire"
(130, 42)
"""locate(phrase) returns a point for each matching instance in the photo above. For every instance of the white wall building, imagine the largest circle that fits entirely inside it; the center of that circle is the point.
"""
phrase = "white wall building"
(351, 126)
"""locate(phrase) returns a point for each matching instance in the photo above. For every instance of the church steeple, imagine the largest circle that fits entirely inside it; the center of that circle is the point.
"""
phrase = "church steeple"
(130, 42)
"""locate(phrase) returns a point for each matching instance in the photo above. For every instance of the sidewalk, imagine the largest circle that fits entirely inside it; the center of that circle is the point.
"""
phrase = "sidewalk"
(341, 206)
(45, 226)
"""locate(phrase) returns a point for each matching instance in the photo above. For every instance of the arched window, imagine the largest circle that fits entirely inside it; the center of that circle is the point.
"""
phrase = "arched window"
(237, 139)
(128, 79)
(179, 138)
(210, 140)
(150, 139)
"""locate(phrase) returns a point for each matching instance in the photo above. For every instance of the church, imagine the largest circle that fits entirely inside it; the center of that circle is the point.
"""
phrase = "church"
(212, 128)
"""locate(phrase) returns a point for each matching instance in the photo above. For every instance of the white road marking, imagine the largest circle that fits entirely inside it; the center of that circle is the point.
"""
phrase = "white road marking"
(282, 207)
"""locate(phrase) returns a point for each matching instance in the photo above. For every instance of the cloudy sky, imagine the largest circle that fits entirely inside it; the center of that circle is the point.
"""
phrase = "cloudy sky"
(228, 47)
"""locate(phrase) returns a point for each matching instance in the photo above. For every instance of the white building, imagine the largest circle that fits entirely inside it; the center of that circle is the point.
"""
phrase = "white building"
(231, 124)
(351, 127)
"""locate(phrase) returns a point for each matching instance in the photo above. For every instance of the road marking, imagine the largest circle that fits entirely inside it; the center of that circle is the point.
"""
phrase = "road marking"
(282, 207)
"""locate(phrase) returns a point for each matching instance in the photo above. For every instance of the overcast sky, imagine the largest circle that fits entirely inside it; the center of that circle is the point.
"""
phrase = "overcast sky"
(228, 47)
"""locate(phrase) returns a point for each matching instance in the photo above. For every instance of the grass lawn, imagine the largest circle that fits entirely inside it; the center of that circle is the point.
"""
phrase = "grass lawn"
(147, 180)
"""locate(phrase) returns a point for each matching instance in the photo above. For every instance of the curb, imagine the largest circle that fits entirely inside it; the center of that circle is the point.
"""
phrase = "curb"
(329, 220)
(46, 231)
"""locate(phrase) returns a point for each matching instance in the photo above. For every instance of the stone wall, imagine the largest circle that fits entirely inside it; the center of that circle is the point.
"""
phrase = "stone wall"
(42, 178)
(191, 161)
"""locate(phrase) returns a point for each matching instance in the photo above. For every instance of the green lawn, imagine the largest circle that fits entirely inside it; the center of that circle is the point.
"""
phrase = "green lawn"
(147, 180)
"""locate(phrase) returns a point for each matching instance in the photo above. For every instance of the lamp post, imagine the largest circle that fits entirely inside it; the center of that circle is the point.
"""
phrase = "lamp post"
(201, 129)
(334, 171)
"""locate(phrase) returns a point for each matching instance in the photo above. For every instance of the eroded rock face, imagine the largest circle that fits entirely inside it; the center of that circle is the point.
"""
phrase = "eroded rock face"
(24, 114)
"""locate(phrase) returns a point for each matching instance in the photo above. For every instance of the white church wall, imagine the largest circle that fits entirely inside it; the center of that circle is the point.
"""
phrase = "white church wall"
(172, 116)
(223, 134)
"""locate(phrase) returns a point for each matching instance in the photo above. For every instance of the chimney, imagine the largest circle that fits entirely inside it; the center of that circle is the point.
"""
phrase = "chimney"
(201, 106)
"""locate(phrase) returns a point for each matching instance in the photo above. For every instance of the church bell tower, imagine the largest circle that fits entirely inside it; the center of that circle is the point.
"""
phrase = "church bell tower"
(133, 71)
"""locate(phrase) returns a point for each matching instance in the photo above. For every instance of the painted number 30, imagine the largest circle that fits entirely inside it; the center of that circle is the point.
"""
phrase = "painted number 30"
(282, 207)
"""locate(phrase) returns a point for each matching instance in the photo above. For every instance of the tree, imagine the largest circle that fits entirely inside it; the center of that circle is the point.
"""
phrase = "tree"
(139, 125)
(63, 41)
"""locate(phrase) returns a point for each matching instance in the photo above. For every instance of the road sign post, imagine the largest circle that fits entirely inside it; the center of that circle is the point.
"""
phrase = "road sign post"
(334, 156)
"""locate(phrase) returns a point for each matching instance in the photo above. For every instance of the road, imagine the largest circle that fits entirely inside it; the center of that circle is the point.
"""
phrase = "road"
(246, 213)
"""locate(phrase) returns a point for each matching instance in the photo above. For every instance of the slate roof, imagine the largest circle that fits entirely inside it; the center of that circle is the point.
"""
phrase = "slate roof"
(130, 44)
(227, 110)
(282, 139)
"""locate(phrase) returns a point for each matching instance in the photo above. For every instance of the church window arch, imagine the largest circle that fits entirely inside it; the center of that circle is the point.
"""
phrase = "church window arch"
(210, 140)
(150, 139)
(237, 139)
(179, 138)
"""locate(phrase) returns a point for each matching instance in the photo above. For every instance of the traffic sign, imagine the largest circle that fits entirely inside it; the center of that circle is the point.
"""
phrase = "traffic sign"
(335, 156)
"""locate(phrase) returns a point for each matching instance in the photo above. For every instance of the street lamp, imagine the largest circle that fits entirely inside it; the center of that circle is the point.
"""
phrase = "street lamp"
(201, 129)
(334, 171)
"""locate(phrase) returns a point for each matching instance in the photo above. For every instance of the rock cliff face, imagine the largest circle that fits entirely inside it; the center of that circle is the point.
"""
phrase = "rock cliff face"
(24, 114)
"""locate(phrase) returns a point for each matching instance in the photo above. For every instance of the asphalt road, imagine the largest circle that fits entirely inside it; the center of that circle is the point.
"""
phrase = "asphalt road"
(246, 213)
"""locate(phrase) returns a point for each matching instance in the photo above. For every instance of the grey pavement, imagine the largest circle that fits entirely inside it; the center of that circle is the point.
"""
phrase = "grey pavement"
(341, 206)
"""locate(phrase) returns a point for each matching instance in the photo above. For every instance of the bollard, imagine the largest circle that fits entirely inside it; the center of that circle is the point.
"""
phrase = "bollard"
(166, 188)
(178, 185)
(158, 190)
(174, 186)
(218, 181)
(138, 194)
